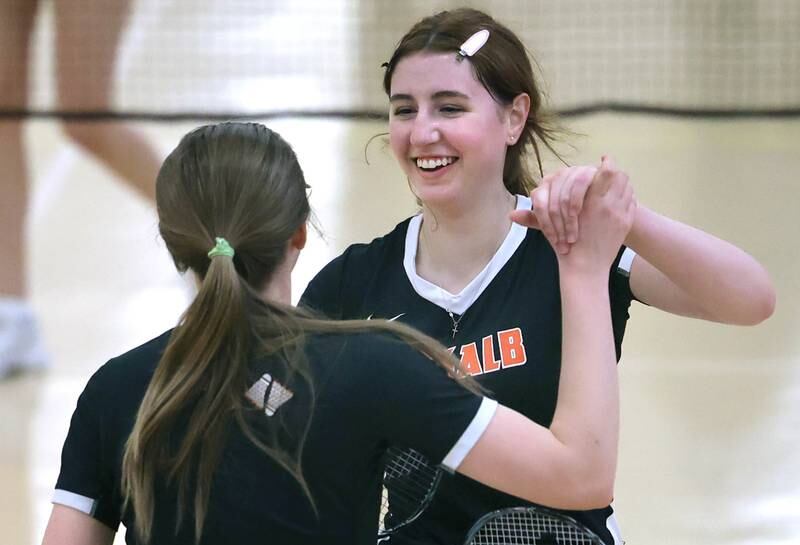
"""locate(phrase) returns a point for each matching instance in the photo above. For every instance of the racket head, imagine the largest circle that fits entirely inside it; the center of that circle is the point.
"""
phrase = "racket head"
(530, 526)
(409, 484)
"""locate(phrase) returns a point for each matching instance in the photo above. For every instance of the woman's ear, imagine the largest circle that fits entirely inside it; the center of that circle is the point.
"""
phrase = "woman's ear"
(518, 116)
(300, 237)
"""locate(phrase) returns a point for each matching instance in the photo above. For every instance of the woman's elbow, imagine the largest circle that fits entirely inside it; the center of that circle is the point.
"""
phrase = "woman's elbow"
(586, 497)
(749, 304)
(589, 490)
(764, 297)
(760, 305)
(601, 494)
(597, 491)
(766, 304)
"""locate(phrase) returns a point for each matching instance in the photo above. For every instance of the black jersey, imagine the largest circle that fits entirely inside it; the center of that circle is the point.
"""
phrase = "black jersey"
(366, 397)
(505, 326)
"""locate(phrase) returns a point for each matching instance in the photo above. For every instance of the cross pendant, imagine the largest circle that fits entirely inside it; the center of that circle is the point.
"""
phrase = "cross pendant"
(455, 330)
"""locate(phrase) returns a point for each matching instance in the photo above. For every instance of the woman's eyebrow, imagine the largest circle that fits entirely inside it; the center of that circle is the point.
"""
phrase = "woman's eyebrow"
(437, 95)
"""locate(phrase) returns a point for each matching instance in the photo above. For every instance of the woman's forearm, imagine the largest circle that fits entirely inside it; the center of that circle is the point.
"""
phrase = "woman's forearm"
(587, 416)
(700, 274)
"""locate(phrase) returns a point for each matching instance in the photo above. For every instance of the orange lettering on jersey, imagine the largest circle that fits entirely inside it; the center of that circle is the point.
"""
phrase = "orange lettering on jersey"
(469, 359)
(512, 349)
(489, 362)
(452, 350)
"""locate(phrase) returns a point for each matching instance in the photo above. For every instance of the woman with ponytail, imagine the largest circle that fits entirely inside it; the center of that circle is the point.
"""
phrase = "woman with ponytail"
(252, 420)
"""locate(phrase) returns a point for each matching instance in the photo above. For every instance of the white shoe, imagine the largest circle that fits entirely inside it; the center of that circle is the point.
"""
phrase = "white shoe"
(21, 345)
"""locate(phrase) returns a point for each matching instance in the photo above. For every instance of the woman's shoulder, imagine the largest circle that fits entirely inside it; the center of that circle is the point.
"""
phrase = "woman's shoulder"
(370, 348)
(356, 342)
(379, 247)
(351, 271)
(132, 370)
(113, 393)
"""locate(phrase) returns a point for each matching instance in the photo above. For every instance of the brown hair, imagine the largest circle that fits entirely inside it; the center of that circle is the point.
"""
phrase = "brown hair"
(242, 182)
(503, 67)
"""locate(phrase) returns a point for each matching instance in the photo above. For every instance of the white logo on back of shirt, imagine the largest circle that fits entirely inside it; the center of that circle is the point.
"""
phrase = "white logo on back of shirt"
(268, 398)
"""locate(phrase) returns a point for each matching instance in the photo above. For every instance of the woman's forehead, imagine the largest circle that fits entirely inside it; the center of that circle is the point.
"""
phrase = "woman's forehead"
(427, 73)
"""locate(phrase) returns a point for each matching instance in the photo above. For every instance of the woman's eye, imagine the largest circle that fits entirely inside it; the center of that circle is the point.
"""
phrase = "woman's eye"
(451, 109)
(403, 110)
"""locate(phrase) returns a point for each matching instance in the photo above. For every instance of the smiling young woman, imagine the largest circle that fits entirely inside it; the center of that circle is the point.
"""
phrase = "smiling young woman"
(468, 129)
(448, 133)
(449, 136)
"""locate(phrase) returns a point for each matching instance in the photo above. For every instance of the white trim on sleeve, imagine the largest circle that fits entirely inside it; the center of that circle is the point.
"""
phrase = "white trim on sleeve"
(471, 435)
(625, 262)
(76, 501)
(613, 527)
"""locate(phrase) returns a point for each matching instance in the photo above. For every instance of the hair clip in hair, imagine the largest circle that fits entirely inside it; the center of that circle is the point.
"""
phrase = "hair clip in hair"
(473, 44)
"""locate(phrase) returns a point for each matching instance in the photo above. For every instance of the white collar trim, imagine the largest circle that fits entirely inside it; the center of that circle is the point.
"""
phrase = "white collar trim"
(460, 302)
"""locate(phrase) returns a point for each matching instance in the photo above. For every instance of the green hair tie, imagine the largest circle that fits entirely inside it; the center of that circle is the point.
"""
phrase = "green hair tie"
(221, 248)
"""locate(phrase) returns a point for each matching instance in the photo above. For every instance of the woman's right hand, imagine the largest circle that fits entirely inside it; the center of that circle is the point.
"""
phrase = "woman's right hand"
(605, 219)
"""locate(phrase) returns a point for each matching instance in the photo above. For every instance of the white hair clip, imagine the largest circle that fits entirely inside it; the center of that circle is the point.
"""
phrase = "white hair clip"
(473, 44)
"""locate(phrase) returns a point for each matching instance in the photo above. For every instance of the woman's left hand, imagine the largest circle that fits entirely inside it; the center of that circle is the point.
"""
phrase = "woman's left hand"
(556, 205)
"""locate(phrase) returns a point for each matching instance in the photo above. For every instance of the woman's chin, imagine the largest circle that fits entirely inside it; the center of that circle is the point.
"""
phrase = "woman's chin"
(437, 195)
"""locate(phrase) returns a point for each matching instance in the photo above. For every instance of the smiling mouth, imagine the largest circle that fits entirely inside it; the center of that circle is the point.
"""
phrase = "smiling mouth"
(434, 163)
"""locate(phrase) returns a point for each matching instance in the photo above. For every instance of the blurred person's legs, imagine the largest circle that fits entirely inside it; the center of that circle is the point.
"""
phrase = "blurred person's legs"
(20, 344)
(88, 33)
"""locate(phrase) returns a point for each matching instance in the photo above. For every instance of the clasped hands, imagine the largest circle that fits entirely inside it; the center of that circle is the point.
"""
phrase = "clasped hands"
(573, 200)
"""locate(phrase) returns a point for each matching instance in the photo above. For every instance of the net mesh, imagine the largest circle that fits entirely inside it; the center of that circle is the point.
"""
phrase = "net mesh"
(252, 57)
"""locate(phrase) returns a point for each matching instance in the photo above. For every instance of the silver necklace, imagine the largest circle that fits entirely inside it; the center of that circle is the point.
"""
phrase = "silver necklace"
(455, 322)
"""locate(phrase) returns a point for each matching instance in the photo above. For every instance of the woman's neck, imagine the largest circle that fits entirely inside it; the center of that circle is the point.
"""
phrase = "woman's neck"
(279, 287)
(455, 244)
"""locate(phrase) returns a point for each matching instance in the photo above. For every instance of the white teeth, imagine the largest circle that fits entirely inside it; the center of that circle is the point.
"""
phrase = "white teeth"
(433, 163)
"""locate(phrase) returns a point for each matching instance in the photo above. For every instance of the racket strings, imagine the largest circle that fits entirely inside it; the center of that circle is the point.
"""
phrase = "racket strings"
(531, 528)
(409, 482)
(402, 462)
